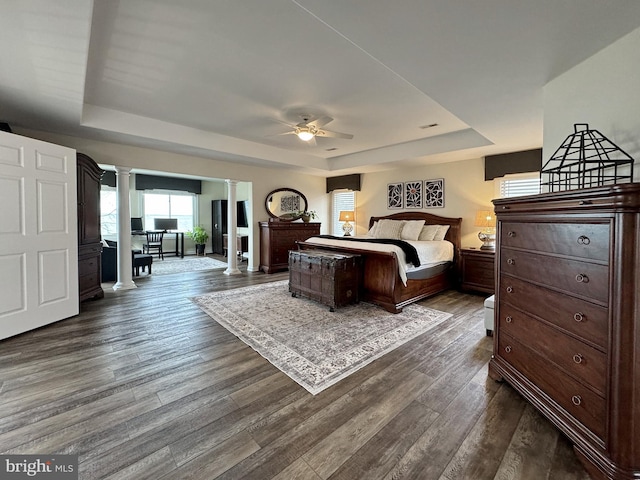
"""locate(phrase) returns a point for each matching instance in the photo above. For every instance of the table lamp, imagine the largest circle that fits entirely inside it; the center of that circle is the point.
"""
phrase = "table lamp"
(487, 220)
(346, 216)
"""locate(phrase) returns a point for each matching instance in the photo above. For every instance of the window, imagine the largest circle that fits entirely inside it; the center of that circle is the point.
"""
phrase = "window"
(342, 200)
(178, 205)
(518, 184)
(108, 211)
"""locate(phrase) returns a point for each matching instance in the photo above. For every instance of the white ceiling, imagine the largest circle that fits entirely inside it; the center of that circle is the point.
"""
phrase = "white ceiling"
(215, 78)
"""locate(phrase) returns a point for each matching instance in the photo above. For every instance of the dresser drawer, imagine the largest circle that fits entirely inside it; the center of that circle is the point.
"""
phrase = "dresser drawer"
(590, 241)
(579, 401)
(583, 319)
(280, 254)
(89, 249)
(89, 266)
(589, 280)
(575, 357)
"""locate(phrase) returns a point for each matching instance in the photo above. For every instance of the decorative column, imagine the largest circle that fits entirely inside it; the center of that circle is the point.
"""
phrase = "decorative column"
(232, 230)
(125, 276)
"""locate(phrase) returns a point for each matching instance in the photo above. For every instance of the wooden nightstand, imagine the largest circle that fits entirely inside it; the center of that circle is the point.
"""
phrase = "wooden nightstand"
(477, 270)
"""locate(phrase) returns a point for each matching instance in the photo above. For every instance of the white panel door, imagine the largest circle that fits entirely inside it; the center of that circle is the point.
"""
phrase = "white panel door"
(38, 234)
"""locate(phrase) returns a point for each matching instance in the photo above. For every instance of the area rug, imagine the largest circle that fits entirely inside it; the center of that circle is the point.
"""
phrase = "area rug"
(315, 347)
(182, 265)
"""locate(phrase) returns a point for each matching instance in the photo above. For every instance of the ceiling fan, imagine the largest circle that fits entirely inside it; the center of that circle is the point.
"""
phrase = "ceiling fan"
(308, 129)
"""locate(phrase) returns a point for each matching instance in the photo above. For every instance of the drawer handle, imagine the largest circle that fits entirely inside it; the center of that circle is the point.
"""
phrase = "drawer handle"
(584, 240)
(505, 207)
(507, 349)
(509, 319)
(577, 358)
(580, 278)
(576, 400)
(511, 261)
(585, 202)
(511, 234)
(509, 289)
(578, 317)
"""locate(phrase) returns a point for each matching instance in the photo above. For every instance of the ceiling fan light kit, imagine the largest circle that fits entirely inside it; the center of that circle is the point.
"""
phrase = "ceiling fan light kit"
(306, 133)
(309, 129)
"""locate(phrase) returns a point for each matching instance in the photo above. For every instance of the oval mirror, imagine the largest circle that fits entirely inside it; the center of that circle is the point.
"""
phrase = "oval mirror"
(285, 204)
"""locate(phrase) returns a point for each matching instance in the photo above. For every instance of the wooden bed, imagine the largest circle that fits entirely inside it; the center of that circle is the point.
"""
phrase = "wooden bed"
(381, 282)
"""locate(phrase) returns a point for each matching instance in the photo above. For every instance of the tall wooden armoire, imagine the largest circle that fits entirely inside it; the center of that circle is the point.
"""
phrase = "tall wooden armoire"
(89, 246)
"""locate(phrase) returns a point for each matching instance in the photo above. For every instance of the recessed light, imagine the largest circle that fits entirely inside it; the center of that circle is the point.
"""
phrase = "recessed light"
(431, 125)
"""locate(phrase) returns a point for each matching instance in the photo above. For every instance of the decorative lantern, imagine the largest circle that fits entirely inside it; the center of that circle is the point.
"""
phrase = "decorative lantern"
(585, 159)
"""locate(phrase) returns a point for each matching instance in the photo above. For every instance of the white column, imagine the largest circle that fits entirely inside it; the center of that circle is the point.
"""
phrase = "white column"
(125, 277)
(232, 230)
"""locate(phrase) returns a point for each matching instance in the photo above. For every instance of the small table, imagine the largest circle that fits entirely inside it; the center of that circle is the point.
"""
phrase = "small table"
(478, 270)
(332, 279)
(242, 245)
(179, 250)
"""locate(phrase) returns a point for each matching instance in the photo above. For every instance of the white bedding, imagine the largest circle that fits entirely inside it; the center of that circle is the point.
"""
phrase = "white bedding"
(430, 253)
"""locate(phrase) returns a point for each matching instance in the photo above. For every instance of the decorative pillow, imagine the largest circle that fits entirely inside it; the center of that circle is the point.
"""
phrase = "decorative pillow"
(389, 229)
(372, 231)
(442, 231)
(428, 233)
(411, 229)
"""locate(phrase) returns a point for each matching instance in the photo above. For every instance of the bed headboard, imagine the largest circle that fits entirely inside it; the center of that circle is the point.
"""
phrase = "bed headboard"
(454, 234)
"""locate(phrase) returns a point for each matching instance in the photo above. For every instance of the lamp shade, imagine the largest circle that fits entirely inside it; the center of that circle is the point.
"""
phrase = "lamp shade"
(485, 218)
(346, 216)
(305, 134)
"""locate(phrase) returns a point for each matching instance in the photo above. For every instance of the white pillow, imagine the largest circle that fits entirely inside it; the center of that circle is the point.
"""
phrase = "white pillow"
(104, 243)
(428, 233)
(411, 229)
(389, 229)
(442, 231)
(372, 231)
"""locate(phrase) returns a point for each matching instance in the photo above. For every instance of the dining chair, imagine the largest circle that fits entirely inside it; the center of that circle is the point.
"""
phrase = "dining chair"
(154, 242)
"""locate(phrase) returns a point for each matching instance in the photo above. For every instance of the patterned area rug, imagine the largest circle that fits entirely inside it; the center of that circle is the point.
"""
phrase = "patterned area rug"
(186, 264)
(315, 347)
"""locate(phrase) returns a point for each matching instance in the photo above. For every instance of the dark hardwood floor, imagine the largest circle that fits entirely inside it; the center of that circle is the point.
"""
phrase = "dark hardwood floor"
(144, 385)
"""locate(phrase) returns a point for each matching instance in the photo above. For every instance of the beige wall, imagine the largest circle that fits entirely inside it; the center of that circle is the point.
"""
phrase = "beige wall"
(601, 91)
(465, 192)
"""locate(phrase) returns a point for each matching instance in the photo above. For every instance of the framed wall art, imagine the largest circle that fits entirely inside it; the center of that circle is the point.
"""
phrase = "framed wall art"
(394, 196)
(290, 203)
(413, 194)
(434, 193)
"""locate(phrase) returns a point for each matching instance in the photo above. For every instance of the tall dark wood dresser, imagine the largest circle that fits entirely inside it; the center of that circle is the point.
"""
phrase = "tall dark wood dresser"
(277, 238)
(567, 327)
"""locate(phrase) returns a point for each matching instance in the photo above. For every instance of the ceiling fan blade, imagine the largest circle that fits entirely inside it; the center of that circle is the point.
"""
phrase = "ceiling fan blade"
(283, 122)
(320, 122)
(328, 133)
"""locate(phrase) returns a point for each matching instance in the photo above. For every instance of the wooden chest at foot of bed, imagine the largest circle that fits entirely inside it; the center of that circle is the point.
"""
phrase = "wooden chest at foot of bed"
(332, 279)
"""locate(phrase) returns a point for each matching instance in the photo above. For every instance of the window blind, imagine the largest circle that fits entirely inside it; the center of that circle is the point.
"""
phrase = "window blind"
(519, 186)
(342, 200)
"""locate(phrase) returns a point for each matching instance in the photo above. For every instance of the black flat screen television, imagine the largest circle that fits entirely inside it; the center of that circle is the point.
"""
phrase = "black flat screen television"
(136, 225)
(243, 221)
(165, 224)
